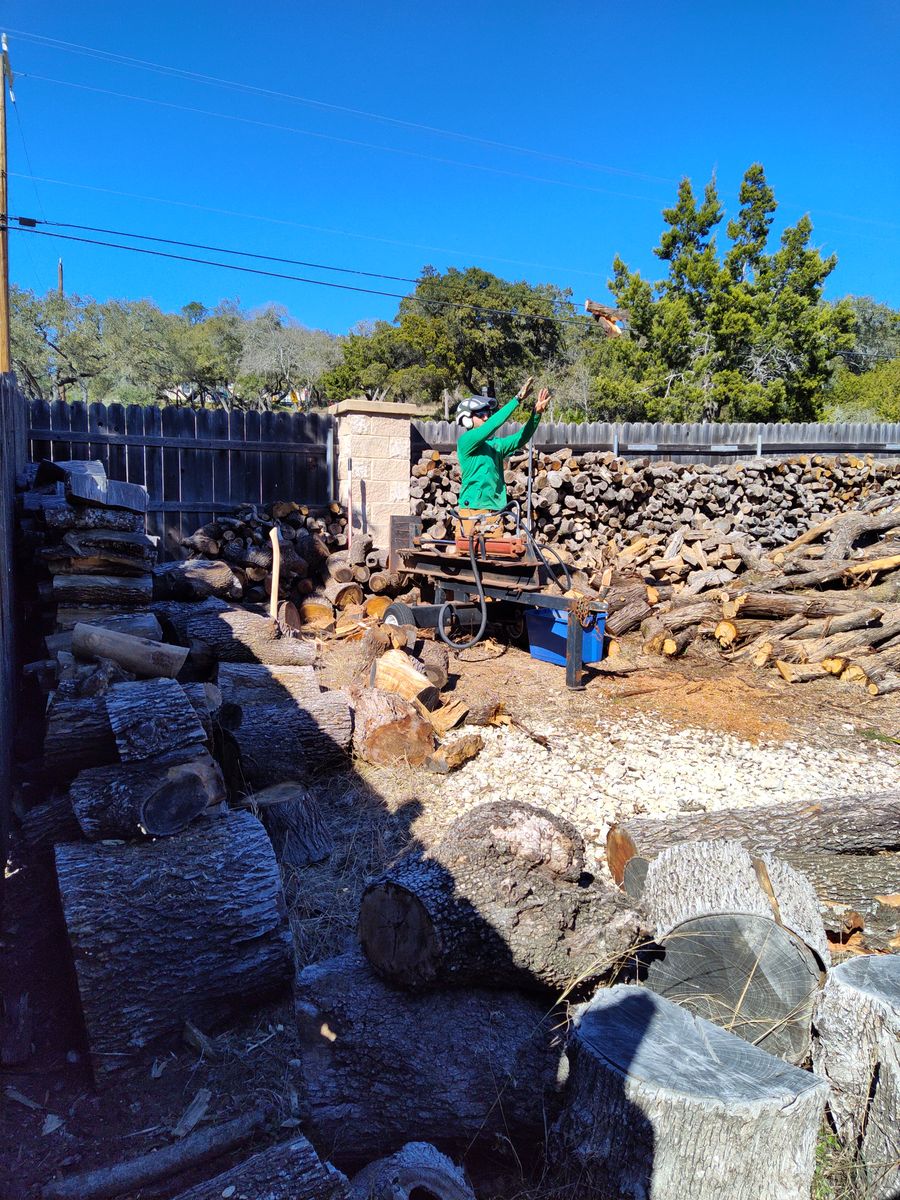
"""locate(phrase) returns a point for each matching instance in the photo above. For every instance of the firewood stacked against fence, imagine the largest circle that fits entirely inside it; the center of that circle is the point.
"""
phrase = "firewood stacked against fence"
(583, 501)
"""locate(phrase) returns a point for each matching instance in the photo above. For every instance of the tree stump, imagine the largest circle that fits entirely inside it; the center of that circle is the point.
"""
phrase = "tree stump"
(382, 1067)
(289, 1171)
(857, 1049)
(663, 1104)
(499, 901)
(388, 730)
(417, 1172)
(153, 798)
(180, 929)
(235, 634)
(294, 824)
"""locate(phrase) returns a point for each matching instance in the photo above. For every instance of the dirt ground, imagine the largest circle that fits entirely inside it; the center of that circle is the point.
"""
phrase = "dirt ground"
(53, 1119)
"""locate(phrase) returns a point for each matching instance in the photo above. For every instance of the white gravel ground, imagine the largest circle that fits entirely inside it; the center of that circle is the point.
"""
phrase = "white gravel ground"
(645, 765)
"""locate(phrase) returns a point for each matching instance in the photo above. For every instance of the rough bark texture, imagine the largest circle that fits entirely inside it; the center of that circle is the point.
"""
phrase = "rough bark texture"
(381, 1067)
(289, 1171)
(102, 589)
(254, 683)
(662, 1104)
(294, 823)
(152, 717)
(153, 798)
(85, 517)
(179, 929)
(498, 901)
(417, 1172)
(51, 822)
(389, 730)
(279, 742)
(78, 735)
(857, 1049)
(841, 824)
(139, 655)
(697, 879)
(235, 634)
(857, 893)
(195, 579)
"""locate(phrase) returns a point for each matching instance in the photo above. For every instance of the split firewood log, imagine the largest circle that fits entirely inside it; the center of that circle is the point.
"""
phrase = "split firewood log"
(859, 824)
(287, 1171)
(455, 1067)
(141, 656)
(395, 671)
(451, 756)
(317, 613)
(417, 1171)
(154, 798)
(857, 1049)
(742, 940)
(294, 823)
(388, 730)
(499, 900)
(668, 1084)
(235, 634)
(131, 910)
(342, 594)
(138, 624)
(195, 579)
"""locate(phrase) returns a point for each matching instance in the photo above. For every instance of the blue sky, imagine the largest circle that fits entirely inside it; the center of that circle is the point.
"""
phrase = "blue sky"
(573, 124)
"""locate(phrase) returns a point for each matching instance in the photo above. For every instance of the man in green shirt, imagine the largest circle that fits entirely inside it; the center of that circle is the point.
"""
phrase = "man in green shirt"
(482, 457)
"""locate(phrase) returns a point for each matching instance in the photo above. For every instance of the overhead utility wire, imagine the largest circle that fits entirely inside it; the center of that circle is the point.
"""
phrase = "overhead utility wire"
(331, 137)
(293, 262)
(253, 89)
(29, 227)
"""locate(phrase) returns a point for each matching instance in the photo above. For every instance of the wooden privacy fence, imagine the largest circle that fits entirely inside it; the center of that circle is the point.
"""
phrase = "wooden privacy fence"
(694, 443)
(194, 463)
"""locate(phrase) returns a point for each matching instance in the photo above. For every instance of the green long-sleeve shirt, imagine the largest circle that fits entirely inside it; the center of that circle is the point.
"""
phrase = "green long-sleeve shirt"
(481, 459)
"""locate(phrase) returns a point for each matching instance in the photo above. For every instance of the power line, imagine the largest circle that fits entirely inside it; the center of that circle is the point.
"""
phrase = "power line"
(252, 89)
(331, 137)
(328, 283)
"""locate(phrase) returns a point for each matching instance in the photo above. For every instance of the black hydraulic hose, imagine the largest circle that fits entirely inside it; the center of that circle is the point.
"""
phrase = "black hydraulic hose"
(482, 600)
(539, 552)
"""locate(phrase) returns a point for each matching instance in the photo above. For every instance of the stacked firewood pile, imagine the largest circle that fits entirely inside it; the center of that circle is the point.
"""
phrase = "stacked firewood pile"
(810, 608)
(581, 501)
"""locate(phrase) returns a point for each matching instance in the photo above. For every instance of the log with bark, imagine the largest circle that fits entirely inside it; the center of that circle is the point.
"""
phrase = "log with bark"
(857, 1049)
(416, 1172)
(52, 821)
(142, 656)
(658, 1096)
(195, 579)
(256, 683)
(388, 730)
(500, 900)
(294, 823)
(96, 590)
(101, 552)
(138, 624)
(288, 741)
(855, 824)
(382, 1067)
(859, 897)
(186, 928)
(397, 672)
(154, 798)
(152, 717)
(235, 634)
(78, 735)
(451, 756)
(287, 1171)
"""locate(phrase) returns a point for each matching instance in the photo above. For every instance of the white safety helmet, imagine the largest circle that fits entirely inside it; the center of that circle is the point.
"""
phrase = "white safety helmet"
(474, 406)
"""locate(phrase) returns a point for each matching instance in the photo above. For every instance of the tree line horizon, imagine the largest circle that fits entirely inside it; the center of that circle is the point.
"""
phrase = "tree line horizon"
(737, 331)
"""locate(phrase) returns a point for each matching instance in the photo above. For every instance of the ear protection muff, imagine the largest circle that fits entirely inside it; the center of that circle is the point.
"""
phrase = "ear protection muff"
(467, 422)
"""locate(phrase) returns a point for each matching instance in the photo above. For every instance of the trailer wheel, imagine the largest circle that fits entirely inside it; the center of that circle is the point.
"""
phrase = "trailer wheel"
(399, 614)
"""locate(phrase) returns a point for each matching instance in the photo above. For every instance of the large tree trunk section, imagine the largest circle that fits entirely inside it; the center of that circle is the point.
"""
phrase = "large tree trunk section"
(417, 1172)
(50, 822)
(699, 879)
(78, 736)
(133, 1174)
(102, 589)
(235, 634)
(64, 517)
(858, 894)
(382, 1067)
(139, 625)
(102, 552)
(839, 824)
(661, 1104)
(777, 604)
(294, 824)
(253, 683)
(498, 901)
(155, 798)
(139, 655)
(388, 730)
(289, 1171)
(280, 742)
(195, 579)
(152, 717)
(857, 1049)
(184, 928)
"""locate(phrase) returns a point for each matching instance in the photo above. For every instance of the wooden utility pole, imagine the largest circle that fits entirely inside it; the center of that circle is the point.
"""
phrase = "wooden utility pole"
(5, 76)
(59, 279)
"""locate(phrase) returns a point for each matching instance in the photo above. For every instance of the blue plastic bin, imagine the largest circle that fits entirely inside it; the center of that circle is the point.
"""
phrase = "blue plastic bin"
(547, 629)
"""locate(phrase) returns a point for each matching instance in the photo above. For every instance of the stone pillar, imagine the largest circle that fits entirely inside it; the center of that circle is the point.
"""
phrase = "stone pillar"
(374, 450)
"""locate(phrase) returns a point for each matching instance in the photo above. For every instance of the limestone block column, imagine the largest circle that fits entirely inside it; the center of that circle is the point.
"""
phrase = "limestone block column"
(373, 451)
